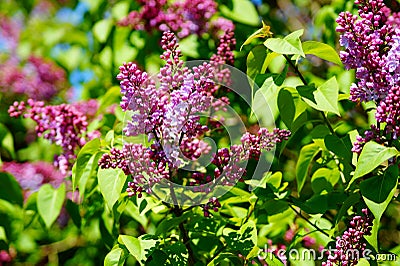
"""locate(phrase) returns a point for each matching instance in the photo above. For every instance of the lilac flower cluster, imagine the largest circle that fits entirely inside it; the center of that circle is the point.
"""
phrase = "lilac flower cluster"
(31, 176)
(212, 204)
(38, 78)
(372, 47)
(170, 117)
(61, 124)
(351, 240)
(182, 17)
(367, 41)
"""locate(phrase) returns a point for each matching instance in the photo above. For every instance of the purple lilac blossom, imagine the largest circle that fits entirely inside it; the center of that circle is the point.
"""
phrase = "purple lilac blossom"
(352, 240)
(182, 17)
(169, 116)
(372, 47)
(60, 124)
(31, 176)
(38, 79)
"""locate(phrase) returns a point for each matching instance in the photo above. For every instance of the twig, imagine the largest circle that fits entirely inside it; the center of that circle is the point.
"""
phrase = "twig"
(308, 221)
(186, 240)
(297, 71)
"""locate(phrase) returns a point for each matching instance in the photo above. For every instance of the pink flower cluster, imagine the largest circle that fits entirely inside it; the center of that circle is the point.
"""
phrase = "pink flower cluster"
(62, 124)
(31, 176)
(351, 240)
(38, 78)
(372, 47)
(169, 116)
(182, 17)
(367, 41)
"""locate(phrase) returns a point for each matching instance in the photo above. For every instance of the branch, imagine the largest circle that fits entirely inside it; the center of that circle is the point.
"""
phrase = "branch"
(297, 71)
(308, 221)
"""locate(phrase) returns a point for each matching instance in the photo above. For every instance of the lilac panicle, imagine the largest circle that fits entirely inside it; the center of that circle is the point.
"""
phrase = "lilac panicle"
(139, 94)
(31, 176)
(38, 79)
(366, 41)
(372, 47)
(352, 240)
(181, 17)
(60, 124)
(169, 114)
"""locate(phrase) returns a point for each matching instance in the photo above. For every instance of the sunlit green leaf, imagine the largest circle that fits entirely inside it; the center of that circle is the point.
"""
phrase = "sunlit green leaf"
(102, 29)
(290, 45)
(322, 51)
(49, 202)
(239, 8)
(111, 181)
(307, 154)
(372, 155)
(326, 97)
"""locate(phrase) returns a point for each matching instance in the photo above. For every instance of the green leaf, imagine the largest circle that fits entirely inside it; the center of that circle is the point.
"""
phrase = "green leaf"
(307, 92)
(378, 188)
(324, 179)
(256, 61)
(73, 211)
(114, 257)
(291, 44)
(10, 189)
(322, 51)
(167, 224)
(140, 248)
(102, 29)
(241, 7)
(338, 146)
(244, 240)
(133, 245)
(286, 107)
(349, 202)
(49, 202)
(307, 154)
(3, 235)
(113, 95)
(6, 140)
(190, 46)
(326, 97)
(111, 181)
(265, 102)
(385, 191)
(85, 154)
(320, 132)
(372, 155)
(120, 10)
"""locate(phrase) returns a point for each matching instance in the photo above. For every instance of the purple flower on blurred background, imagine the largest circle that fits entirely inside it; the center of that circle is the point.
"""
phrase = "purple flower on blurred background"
(181, 17)
(31, 176)
(62, 124)
(38, 78)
